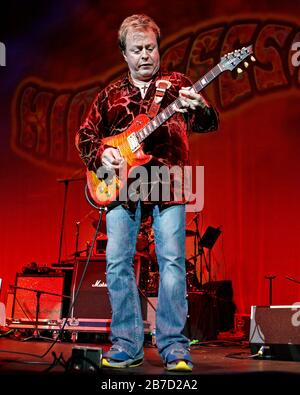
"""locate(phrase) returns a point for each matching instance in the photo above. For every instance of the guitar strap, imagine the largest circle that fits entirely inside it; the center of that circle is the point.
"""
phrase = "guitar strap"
(161, 87)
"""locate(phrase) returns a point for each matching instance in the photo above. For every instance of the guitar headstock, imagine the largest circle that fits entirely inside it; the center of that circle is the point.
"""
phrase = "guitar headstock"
(232, 59)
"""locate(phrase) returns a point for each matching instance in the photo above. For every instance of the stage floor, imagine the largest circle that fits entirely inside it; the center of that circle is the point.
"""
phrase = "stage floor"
(217, 364)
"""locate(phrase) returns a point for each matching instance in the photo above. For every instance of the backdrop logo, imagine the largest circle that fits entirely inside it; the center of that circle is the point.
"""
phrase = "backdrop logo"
(45, 116)
(2, 54)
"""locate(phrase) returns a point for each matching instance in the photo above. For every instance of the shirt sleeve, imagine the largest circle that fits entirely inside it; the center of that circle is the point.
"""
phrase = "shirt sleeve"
(88, 140)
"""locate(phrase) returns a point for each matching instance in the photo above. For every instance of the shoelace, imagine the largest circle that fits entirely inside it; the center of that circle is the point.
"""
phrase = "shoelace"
(116, 348)
(178, 352)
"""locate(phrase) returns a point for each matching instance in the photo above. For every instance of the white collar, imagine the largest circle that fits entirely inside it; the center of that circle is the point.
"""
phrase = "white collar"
(142, 85)
(139, 83)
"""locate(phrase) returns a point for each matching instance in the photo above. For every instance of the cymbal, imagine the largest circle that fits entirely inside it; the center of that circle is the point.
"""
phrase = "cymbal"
(190, 232)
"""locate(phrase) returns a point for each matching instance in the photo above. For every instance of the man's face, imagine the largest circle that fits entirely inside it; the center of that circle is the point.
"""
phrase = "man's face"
(141, 54)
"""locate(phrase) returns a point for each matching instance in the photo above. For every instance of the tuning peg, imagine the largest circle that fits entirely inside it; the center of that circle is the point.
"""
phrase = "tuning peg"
(246, 64)
(239, 70)
(252, 58)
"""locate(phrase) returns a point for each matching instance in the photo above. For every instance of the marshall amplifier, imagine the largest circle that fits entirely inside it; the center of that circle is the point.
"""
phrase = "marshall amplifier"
(92, 301)
(275, 332)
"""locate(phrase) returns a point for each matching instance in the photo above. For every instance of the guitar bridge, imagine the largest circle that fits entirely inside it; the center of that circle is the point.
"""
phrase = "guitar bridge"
(133, 142)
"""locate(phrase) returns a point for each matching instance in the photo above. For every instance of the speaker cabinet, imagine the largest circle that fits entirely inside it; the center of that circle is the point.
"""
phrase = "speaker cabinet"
(275, 331)
(202, 321)
(222, 292)
(93, 300)
(25, 296)
(86, 359)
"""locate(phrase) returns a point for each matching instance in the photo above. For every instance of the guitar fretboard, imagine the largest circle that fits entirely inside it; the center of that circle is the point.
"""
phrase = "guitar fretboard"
(171, 108)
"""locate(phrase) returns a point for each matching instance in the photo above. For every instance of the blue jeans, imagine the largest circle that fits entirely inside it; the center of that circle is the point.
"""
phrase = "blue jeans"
(127, 328)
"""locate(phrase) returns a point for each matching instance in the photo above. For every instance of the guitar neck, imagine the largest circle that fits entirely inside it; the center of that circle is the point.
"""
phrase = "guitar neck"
(170, 110)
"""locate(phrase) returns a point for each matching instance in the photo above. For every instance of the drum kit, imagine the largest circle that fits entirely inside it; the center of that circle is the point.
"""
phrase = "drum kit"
(145, 252)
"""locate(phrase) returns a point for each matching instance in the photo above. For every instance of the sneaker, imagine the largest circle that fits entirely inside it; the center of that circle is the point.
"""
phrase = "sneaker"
(117, 358)
(178, 361)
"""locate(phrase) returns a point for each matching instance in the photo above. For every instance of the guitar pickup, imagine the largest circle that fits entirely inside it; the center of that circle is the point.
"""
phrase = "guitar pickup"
(133, 142)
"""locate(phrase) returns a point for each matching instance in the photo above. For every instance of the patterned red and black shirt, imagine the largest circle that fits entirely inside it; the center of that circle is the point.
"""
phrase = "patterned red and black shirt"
(116, 106)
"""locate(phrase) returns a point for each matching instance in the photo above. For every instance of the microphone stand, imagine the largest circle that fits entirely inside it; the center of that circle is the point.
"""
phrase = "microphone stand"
(66, 182)
(36, 334)
(270, 278)
(198, 250)
(77, 240)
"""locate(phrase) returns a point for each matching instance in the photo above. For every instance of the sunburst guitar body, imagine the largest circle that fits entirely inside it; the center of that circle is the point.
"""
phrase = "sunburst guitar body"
(105, 191)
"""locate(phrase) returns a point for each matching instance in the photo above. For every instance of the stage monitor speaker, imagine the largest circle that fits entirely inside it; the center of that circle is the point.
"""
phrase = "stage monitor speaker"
(275, 332)
(86, 359)
(25, 300)
(93, 299)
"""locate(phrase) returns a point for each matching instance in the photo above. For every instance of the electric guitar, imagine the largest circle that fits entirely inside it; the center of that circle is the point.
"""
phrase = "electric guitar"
(104, 191)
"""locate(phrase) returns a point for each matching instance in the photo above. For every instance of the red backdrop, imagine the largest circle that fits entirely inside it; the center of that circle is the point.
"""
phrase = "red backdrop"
(59, 56)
